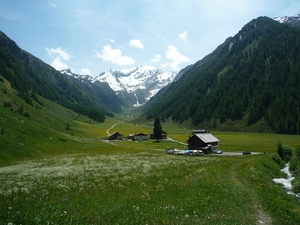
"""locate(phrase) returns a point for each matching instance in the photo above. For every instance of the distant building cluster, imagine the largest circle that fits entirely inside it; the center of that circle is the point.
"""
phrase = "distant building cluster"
(136, 136)
(200, 140)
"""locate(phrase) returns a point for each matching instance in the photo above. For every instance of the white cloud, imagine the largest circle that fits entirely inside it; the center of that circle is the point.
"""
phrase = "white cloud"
(59, 52)
(183, 35)
(59, 58)
(176, 58)
(114, 56)
(85, 71)
(136, 43)
(156, 58)
(59, 64)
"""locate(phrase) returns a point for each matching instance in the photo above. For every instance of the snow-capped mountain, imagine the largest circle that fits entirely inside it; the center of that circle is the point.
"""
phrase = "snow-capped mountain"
(134, 86)
(293, 21)
(77, 76)
(137, 85)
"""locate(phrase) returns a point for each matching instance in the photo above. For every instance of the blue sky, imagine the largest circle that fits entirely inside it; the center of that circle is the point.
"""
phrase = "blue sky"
(93, 36)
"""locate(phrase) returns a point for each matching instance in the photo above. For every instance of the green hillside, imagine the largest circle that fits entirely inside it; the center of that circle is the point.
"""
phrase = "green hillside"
(29, 76)
(252, 79)
(30, 130)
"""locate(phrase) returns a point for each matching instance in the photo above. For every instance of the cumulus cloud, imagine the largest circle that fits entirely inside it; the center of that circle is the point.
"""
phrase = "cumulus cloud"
(60, 57)
(59, 64)
(183, 35)
(85, 71)
(59, 52)
(176, 58)
(136, 43)
(156, 58)
(114, 56)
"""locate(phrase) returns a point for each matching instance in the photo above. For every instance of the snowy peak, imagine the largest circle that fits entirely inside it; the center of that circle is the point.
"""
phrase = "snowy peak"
(293, 21)
(141, 83)
(78, 76)
(135, 78)
(135, 85)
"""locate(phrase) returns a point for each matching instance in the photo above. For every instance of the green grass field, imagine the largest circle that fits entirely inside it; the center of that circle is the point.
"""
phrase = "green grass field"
(79, 178)
(53, 175)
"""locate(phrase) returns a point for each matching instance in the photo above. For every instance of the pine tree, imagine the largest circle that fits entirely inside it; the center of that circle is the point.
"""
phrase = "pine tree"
(157, 129)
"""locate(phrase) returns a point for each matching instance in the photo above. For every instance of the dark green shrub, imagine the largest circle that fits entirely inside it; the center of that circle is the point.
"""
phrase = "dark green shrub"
(295, 169)
(285, 152)
(296, 185)
(63, 139)
(295, 162)
(277, 158)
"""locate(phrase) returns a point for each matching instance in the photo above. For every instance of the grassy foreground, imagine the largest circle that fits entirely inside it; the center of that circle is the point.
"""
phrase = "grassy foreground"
(84, 180)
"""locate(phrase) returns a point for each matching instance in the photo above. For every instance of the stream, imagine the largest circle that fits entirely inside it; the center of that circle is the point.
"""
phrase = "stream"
(287, 182)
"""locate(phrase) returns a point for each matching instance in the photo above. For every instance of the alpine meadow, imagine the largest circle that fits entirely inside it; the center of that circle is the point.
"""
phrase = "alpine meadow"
(75, 151)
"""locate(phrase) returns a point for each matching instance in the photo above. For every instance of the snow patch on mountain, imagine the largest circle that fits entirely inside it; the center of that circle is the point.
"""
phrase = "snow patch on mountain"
(293, 21)
(136, 85)
(283, 19)
(78, 76)
(146, 80)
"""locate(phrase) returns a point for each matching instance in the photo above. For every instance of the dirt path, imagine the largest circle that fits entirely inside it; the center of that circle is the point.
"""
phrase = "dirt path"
(170, 139)
(261, 216)
(107, 131)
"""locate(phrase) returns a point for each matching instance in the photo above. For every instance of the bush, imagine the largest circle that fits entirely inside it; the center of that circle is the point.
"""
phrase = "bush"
(296, 185)
(295, 162)
(295, 169)
(285, 152)
(277, 158)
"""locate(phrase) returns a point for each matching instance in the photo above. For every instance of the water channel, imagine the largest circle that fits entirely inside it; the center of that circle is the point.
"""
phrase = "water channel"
(287, 182)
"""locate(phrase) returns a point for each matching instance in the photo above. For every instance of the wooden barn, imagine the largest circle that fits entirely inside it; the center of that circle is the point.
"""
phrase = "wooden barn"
(116, 136)
(203, 141)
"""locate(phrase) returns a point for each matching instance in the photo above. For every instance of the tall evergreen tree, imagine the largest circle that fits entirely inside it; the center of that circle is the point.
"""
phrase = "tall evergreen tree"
(157, 129)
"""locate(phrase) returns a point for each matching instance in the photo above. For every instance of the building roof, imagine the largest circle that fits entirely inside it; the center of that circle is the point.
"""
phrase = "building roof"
(199, 131)
(116, 133)
(207, 137)
(140, 134)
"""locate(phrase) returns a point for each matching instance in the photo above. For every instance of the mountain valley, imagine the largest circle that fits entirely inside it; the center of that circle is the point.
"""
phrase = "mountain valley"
(249, 83)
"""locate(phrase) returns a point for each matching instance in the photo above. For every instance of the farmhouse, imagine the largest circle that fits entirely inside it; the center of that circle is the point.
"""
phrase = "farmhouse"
(164, 135)
(138, 137)
(203, 141)
(116, 136)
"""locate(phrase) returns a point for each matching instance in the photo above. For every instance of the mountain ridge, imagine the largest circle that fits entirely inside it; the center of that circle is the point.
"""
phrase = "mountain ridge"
(293, 21)
(239, 82)
(29, 76)
(100, 91)
(138, 84)
(135, 85)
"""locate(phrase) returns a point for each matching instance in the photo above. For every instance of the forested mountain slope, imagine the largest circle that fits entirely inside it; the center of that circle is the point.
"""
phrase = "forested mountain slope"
(29, 76)
(101, 91)
(253, 75)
